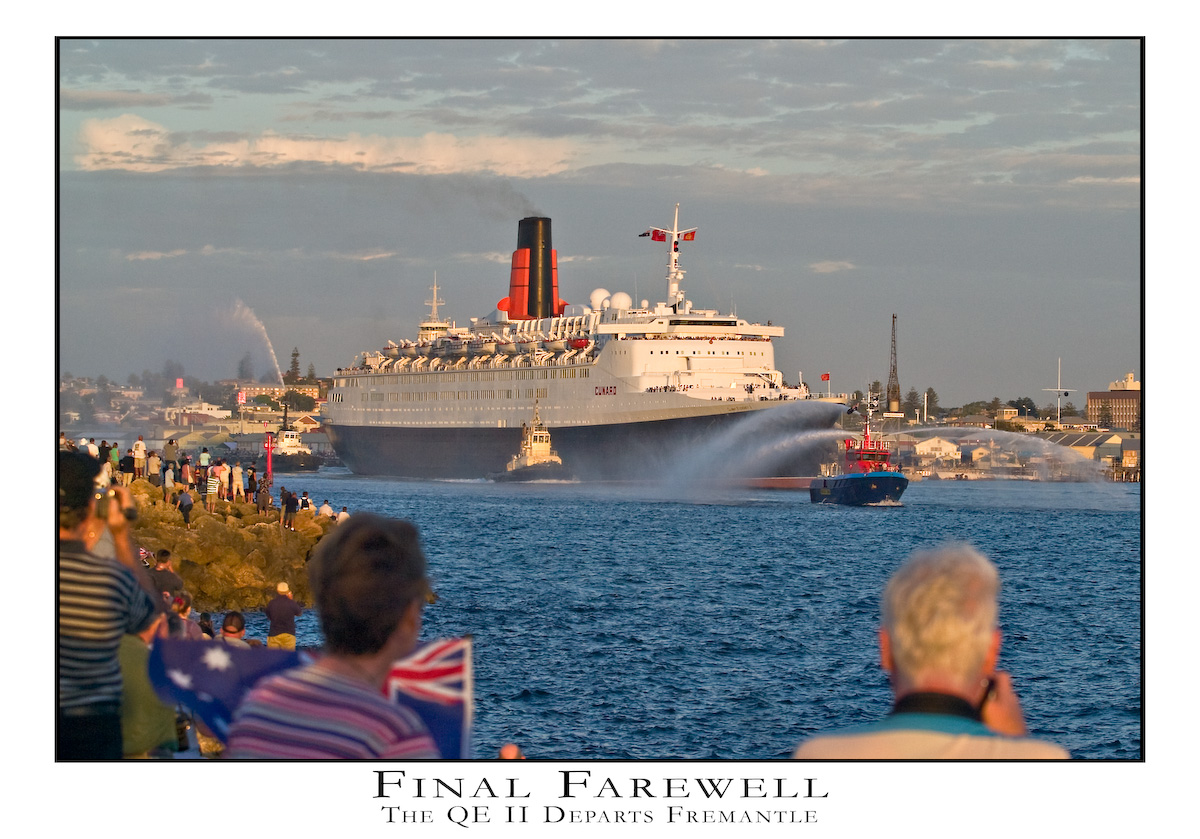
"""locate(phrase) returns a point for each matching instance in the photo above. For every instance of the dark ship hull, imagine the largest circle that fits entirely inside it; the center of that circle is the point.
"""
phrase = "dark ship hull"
(859, 489)
(536, 472)
(620, 451)
(291, 463)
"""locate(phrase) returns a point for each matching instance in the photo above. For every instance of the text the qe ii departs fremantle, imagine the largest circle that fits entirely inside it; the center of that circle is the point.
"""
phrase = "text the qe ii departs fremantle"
(518, 796)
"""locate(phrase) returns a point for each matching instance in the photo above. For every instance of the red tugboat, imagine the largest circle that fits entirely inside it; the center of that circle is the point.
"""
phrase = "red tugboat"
(867, 475)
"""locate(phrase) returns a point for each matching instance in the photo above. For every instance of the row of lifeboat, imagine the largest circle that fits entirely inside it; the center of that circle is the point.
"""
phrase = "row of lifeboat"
(456, 346)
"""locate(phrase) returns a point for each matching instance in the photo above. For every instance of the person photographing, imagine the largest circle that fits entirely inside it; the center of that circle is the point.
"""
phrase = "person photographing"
(939, 643)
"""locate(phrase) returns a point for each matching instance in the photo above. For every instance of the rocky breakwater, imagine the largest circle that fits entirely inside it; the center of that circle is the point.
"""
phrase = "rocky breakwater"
(232, 559)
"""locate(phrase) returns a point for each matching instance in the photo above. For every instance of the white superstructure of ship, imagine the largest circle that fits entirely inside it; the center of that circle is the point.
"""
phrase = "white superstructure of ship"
(621, 386)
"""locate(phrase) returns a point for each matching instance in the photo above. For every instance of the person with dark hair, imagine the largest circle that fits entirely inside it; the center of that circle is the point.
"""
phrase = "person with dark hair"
(163, 575)
(233, 630)
(939, 644)
(127, 468)
(206, 625)
(184, 503)
(288, 505)
(188, 628)
(171, 454)
(99, 600)
(368, 582)
(147, 723)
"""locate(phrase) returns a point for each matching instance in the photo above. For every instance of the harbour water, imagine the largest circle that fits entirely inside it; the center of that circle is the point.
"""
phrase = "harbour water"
(658, 621)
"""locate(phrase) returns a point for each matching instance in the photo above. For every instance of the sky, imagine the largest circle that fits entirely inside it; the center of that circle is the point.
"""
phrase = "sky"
(218, 198)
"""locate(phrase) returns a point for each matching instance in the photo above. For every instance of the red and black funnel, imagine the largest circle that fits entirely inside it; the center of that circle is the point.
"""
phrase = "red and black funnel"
(533, 283)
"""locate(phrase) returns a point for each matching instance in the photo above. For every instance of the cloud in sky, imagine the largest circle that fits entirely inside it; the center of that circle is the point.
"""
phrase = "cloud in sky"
(135, 144)
(830, 266)
(985, 186)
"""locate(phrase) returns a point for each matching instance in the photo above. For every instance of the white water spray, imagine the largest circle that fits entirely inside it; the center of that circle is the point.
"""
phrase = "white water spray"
(1053, 461)
(761, 444)
(244, 315)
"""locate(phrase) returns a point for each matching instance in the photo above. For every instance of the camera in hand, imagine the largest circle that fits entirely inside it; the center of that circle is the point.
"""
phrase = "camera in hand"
(105, 497)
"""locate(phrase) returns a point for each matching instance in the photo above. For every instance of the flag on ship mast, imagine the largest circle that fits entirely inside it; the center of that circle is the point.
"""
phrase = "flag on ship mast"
(657, 234)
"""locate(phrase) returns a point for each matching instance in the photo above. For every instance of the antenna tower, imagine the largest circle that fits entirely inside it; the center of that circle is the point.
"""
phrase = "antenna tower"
(893, 385)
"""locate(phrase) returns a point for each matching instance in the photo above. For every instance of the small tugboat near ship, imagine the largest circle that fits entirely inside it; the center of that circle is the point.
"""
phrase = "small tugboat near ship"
(867, 476)
(288, 454)
(536, 461)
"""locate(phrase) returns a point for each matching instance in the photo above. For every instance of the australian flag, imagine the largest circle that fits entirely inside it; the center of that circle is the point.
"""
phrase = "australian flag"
(437, 682)
(211, 677)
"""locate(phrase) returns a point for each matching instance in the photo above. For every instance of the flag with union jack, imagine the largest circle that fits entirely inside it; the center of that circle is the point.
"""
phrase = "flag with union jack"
(438, 683)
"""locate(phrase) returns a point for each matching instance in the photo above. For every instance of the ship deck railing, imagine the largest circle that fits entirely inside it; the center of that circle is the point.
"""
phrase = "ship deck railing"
(659, 336)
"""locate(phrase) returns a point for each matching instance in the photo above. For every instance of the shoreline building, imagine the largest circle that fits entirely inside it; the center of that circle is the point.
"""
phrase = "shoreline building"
(1120, 407)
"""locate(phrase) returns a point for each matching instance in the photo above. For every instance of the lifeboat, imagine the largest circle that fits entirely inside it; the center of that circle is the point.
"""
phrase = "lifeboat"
(482, 346)
(451, 347)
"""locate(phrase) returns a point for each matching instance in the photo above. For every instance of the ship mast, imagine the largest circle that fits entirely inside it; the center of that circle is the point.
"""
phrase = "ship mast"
(435, 302)
(675, 297)
(1059, 393)
(433, 326)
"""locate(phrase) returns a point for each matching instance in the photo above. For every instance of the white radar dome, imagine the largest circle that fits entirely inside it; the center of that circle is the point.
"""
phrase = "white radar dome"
(621, 300)
(598, 297)
(645, 304)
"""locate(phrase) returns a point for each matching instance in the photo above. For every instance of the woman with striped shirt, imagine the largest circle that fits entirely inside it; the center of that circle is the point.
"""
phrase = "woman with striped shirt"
(368, 581)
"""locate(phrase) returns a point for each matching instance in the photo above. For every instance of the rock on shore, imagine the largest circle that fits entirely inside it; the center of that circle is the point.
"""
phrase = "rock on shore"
(233, 559)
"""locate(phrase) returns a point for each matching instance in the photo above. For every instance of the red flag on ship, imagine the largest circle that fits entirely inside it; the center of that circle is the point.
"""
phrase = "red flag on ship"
(690, 236)
(655, 234)
(824, 377)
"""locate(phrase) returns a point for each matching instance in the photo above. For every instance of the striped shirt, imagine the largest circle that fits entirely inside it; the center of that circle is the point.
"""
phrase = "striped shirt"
(99, 600)
(311, 713)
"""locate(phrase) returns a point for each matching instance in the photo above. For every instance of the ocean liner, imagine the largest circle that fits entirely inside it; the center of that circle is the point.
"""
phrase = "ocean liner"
(626, 389)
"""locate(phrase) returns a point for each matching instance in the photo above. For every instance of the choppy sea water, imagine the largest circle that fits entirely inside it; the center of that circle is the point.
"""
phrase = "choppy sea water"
(658, 622)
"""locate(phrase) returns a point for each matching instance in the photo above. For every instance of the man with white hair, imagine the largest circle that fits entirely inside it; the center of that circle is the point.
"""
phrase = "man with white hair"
(939, 643)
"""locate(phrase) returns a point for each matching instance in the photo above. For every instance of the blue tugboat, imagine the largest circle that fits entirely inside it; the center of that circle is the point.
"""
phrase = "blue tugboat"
(867, 475)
